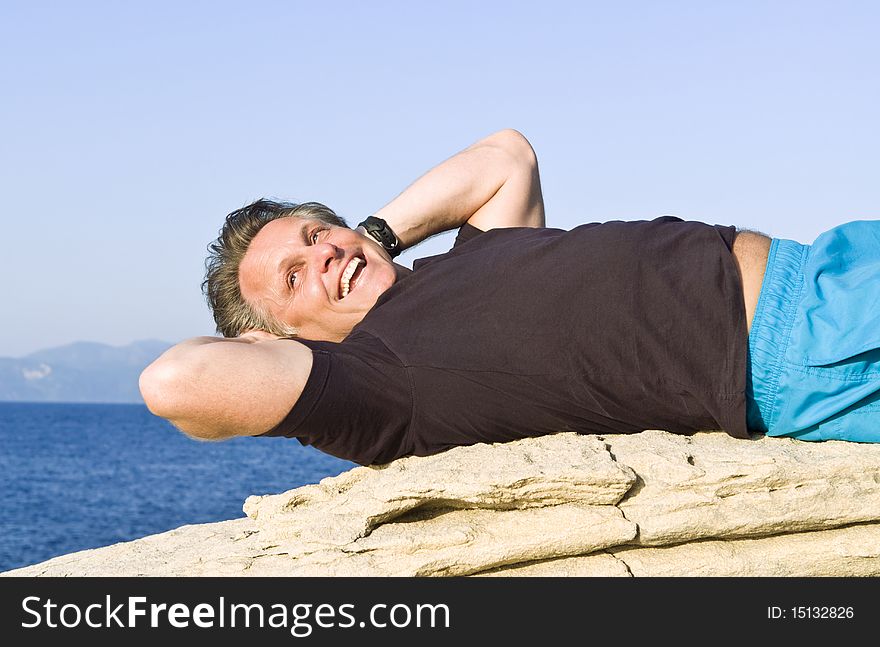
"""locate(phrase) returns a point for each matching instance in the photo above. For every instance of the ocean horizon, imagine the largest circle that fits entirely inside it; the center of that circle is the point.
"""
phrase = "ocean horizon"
(84, 475)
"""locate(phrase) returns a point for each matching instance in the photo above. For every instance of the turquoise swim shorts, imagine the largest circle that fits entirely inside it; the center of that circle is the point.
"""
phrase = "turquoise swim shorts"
(814, 346)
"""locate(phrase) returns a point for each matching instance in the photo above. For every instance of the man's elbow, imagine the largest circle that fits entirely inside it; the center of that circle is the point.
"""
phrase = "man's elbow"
(163, 387)
(516, 145)
(157, 385)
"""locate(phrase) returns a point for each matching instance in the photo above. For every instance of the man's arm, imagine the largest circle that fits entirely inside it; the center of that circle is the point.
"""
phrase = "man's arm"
(493, 183)
(214, 388)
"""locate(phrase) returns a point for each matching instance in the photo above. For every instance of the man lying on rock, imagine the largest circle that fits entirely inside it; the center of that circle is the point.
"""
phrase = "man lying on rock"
(521, 330)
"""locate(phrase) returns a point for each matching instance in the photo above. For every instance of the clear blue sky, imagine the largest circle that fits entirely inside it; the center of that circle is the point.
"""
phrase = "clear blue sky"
(130, 129)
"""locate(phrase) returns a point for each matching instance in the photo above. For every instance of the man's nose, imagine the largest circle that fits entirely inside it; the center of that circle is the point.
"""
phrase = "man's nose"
(325, 253)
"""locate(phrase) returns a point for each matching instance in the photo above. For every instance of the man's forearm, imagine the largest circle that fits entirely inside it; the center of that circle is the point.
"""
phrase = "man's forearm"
(501, 167)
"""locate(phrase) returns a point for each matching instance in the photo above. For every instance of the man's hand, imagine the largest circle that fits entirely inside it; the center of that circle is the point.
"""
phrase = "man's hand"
(252, 336)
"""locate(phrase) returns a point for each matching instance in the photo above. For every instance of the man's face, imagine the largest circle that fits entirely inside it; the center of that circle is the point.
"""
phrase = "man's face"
(320, 278)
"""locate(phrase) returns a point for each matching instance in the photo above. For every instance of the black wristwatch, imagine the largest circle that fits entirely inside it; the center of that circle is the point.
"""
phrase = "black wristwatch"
(378, 230)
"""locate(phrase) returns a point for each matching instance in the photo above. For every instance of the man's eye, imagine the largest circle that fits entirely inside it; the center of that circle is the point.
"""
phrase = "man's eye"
(292, 279)
(314, 237)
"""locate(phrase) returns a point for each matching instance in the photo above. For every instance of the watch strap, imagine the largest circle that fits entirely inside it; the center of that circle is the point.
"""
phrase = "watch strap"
(378, 230)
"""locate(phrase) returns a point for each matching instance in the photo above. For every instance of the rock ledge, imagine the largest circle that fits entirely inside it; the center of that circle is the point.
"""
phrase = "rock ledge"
(648, 504)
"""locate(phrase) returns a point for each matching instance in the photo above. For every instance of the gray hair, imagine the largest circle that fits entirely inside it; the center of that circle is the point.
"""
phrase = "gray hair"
(232, 313)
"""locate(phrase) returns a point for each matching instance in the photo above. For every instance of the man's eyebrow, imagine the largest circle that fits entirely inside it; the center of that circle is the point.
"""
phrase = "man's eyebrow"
(284, 264)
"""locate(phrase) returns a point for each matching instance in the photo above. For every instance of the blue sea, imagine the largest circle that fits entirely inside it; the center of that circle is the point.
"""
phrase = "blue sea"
(77, 476)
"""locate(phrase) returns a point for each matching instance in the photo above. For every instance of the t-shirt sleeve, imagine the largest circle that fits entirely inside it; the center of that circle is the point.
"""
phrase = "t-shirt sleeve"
(356, 404)
(465, 233)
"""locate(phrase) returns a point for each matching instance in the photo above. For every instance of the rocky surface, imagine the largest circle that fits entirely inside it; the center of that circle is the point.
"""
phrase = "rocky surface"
(648, 504)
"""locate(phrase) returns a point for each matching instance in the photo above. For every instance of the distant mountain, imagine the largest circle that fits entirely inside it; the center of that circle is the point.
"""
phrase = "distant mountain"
(79, 372)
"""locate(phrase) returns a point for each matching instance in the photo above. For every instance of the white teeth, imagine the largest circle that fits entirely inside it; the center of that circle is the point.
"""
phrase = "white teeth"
(345, 281)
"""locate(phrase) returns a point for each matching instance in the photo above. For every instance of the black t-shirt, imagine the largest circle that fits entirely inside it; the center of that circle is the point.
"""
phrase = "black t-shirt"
(612, 327)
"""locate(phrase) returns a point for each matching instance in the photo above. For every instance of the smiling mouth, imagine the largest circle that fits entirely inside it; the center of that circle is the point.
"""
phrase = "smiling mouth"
(353, 268)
